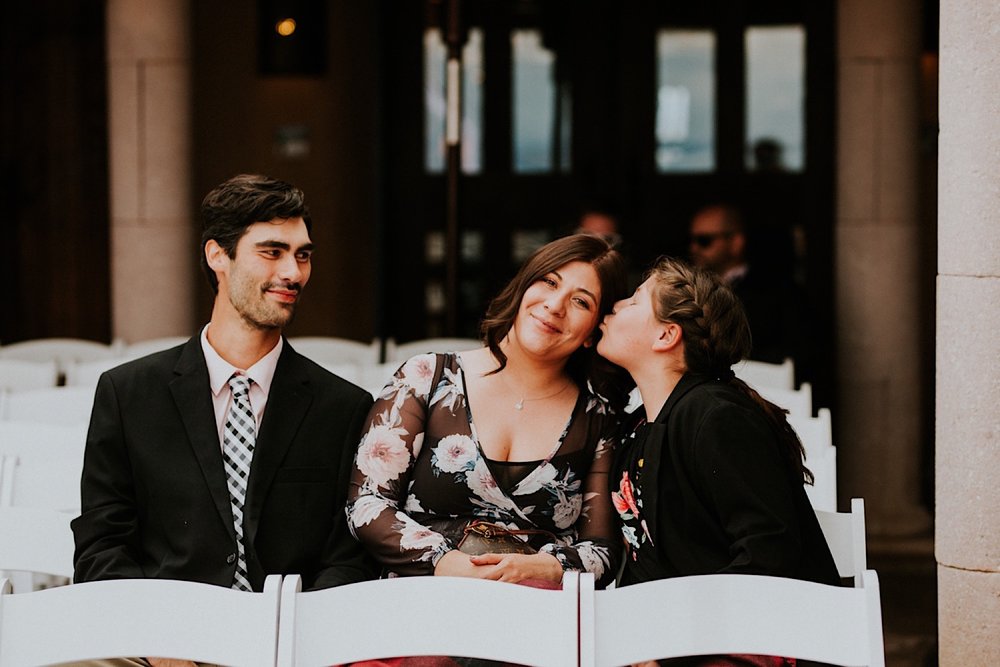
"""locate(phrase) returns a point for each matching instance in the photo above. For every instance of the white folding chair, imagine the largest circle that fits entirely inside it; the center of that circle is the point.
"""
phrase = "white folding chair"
(731, 614)
(63, 351)
(374, 377)
(41, 465)
(141, 617)
(400, 352)
(24, 375)
(415, 616)
(53, 405)
(797, 401)
(36, 541)
(144, 347)
(816, 433)
(347, 370)
(760, 374)
(822, 493)
(87, 373)
(845, 535)
(330, 350)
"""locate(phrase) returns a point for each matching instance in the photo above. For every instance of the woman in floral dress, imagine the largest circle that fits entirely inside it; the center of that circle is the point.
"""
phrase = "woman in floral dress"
(518, 433)
(708, 478)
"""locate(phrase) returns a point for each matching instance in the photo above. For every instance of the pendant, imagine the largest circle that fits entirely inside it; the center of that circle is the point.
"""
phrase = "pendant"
(519, 405)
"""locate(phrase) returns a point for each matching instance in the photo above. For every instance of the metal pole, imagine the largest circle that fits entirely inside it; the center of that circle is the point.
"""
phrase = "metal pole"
(453, 140)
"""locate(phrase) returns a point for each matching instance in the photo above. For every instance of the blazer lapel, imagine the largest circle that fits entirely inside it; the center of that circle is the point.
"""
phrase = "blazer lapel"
(192, 394)
(288, 402)
(656, 444)
(686, 384)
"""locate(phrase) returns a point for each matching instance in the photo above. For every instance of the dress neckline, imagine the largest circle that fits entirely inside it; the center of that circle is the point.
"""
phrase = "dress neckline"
(540, 463)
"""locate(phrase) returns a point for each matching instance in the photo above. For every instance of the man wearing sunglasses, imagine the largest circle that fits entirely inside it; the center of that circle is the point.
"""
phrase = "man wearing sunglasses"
(774, 305)
(718, 242)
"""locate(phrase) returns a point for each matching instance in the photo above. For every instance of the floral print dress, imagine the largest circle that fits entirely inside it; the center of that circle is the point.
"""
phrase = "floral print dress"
(420, 476)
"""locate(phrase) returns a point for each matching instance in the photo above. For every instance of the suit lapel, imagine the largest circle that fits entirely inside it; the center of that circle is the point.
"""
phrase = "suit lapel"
(192, 394)
(288, 402)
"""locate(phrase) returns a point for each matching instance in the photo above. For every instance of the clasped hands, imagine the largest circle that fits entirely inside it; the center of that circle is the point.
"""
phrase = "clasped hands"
(512, 568)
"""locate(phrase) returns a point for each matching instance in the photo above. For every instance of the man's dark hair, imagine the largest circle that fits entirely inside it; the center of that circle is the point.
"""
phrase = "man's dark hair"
(243, 200)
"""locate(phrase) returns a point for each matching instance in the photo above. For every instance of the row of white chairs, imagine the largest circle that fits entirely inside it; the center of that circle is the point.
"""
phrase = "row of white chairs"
(414, 616)
(46, 362)
(35, 538)
(42, 360)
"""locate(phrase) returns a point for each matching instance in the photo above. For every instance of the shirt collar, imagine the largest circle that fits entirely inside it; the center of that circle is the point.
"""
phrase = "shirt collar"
(220, 370)
(735, 273)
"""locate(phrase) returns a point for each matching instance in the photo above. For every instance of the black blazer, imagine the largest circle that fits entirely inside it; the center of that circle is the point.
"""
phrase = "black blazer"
(717, 495)
(154, 497)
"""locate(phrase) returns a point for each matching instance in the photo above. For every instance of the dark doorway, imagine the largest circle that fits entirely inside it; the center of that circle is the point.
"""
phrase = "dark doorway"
(53, 148)
(648, 110)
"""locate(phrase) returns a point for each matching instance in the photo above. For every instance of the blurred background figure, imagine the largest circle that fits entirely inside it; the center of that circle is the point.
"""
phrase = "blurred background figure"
(718, 241)
(779, 321)
(767, 155)
(601, 223)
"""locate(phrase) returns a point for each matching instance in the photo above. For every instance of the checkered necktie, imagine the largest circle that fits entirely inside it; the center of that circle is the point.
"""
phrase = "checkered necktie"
(238, 438)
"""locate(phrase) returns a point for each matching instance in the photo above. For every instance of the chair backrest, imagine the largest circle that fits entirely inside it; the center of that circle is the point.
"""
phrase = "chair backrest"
(761, 374)
(845, 535)
(54, 405)
(87, 373)
(347, 370)
(41, 465)
(415, 616)
(330, 350)
(39, 541)
(141, 617)
(60, 350)
(798, 402)
(375, 377)
(731, 613)
(400, 352)
(24, 375)
(816, 433)
(144, 347)
(822, 493)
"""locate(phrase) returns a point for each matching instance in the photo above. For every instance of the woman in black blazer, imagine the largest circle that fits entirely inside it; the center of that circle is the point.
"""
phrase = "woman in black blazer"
(708, 477)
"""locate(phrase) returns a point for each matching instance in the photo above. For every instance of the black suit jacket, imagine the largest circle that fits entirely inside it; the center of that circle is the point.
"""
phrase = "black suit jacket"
(717, 493)
(154, 497)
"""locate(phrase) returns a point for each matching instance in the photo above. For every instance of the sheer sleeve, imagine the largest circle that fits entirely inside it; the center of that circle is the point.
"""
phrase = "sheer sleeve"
(376, 504)
(598, 546)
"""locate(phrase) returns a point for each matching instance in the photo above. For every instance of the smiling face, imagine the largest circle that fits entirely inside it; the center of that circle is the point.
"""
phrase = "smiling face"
(261, 283)
(630, 330)
(558, 311)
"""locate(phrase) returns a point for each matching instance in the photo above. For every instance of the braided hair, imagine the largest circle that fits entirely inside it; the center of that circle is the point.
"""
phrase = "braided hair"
(716, 336)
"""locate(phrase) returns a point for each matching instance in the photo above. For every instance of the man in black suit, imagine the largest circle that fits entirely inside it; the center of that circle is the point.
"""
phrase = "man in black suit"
(226, 459)
(775, 308)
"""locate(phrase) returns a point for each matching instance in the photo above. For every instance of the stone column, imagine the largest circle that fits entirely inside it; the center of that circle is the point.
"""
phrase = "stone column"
(967, 542)
(152, 246)
(877, 424)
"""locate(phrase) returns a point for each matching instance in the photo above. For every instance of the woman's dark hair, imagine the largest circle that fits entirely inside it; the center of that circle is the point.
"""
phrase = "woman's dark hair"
(230, 208)
(716, 336)
(605, 378)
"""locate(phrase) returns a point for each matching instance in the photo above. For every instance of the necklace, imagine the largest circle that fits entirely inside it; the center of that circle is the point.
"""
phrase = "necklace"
(519, 403)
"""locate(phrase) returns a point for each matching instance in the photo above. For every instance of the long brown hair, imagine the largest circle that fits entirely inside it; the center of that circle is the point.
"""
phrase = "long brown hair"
(716, 336)
(584, 365)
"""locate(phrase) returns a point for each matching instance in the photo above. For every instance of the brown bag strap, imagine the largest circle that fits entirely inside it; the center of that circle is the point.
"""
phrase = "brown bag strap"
(487, 529)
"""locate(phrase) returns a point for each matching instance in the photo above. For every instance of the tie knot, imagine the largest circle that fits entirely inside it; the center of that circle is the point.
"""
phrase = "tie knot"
(239, 385)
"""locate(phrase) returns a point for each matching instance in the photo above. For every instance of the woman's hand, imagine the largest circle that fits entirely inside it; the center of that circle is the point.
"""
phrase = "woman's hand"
(457, 564)
(512, 568)
(515, 568)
